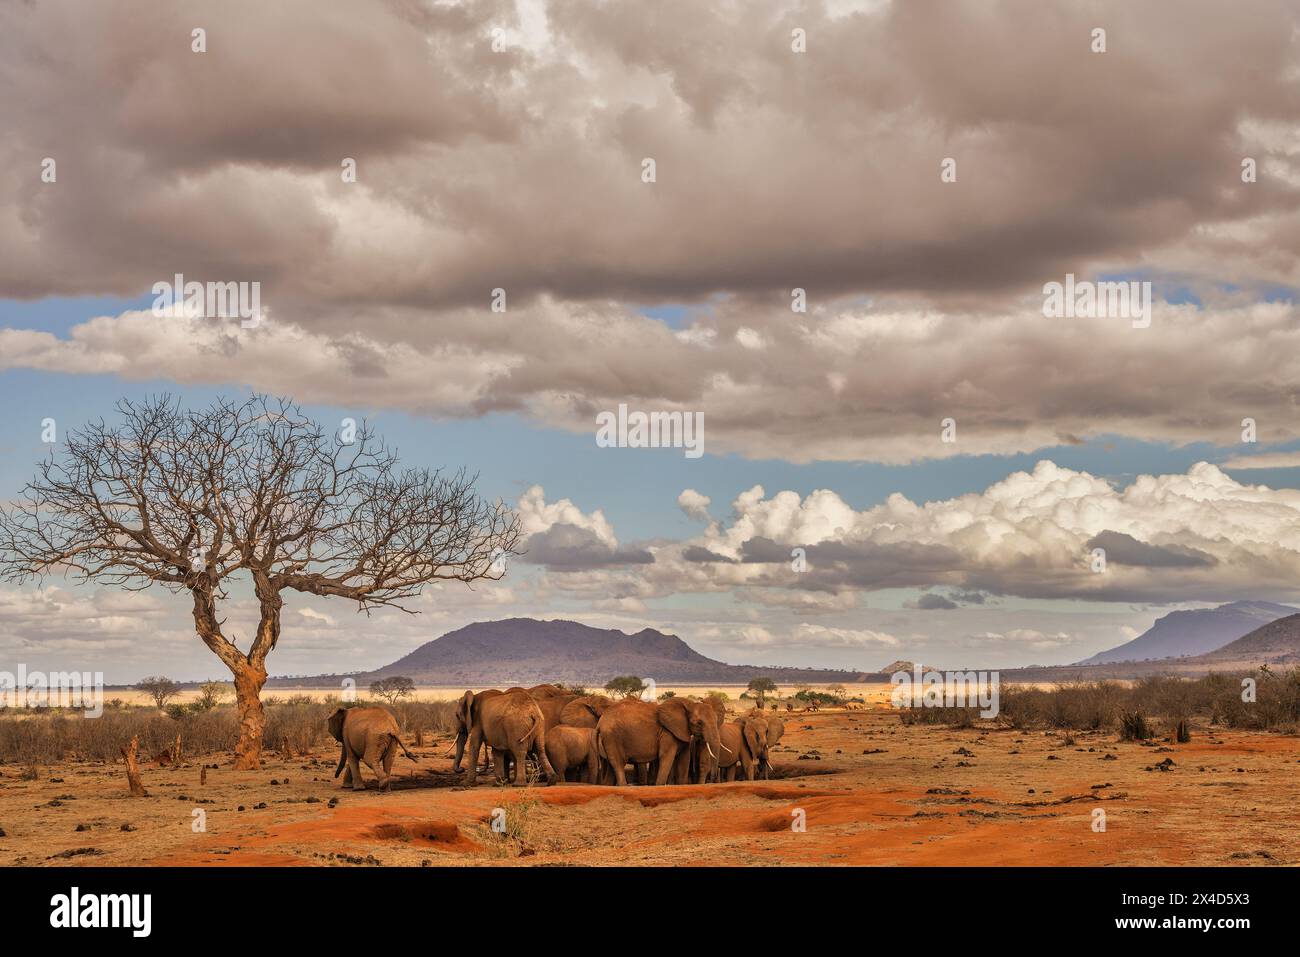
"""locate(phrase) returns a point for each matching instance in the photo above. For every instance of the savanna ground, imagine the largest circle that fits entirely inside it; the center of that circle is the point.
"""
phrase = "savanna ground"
(872, 790)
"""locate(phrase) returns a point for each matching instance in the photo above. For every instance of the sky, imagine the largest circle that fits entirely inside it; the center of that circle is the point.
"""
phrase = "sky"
(913, 174)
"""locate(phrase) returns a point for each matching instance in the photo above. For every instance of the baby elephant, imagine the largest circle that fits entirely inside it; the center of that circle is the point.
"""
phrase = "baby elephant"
(370, 735)
(572, 752)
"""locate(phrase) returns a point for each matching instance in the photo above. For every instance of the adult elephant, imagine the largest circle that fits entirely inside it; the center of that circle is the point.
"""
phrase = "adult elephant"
(775, 728)
(643, 732)
(753, 743)
(466, 714)
(370, 735)
(549, 691)
(584, 712)
(510, 723)
(553, 706)
(729, 757)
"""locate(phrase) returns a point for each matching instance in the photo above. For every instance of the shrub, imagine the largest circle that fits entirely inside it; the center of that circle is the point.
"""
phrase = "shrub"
(1133, 726)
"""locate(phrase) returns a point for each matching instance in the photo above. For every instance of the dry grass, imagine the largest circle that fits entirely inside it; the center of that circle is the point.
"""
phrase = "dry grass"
(1215, 699)
(39, 737)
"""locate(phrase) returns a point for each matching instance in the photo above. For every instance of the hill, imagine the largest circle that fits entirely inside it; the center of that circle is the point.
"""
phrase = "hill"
(526, 651)
(1278, 642)
(1181, 634)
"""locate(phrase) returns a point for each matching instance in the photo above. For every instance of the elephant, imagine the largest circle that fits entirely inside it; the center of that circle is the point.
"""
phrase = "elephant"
(548, 691)
(466, 711)
(643, 732)
(729, 758)
(510, 723)
(775, 728)
(370, 735)
(553, 707)
(572, 751)
(584, 712)
(753, 743)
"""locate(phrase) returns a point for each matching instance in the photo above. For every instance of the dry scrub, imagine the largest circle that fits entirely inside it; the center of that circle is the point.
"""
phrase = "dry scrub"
(37, 737)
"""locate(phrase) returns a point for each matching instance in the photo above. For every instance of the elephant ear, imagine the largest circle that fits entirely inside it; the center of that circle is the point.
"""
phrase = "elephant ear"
(752, 738)
(336, 724)
(464, 710)
(675, 720)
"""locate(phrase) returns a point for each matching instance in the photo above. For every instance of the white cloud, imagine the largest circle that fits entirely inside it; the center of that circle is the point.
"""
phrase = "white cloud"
(694, 504)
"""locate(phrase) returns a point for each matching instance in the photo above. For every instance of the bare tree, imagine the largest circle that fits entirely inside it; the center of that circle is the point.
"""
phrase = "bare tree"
(160, 689)
(248, 491)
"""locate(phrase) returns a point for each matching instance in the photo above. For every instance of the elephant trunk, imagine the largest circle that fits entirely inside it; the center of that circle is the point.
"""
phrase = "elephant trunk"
(460, 750)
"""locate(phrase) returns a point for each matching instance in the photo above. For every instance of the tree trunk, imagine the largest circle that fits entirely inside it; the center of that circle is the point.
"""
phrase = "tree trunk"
(252, 717)
(249, 670)
(133, 768)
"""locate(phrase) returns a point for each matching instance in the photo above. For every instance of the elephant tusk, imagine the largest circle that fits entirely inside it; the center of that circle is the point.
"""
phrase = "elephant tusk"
(711, 754)
(725, 748)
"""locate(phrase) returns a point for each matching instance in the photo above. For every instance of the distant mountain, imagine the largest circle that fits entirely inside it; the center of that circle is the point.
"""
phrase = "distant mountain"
(1189, 633)
(1278, 642)
(900, 665)
(526, 651)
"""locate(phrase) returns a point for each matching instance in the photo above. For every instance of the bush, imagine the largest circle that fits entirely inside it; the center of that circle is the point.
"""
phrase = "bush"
(1133, 726)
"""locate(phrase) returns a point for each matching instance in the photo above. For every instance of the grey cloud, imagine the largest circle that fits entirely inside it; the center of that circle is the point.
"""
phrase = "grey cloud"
(1124, 549)
(566, 547)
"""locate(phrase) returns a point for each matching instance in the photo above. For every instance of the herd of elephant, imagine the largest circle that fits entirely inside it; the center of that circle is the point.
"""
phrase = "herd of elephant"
(591, 739)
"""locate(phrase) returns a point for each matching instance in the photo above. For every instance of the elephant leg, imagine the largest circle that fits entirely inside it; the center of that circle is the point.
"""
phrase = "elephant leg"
(347, 772)
(543, 762)
(731, 773)
(520, 755)
(475, 743)
(617, 762)
(354, 769)
(389, 756)
(374, 759)
(682, 768)
(502, 765)
(667, 760)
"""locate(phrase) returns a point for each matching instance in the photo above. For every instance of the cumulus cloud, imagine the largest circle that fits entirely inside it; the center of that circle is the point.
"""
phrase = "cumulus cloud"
(1198, 536)
(694, 504)
(564, 538)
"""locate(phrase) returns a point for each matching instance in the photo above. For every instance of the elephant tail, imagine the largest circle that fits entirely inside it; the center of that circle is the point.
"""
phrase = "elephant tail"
(398, 741)
(532, 718)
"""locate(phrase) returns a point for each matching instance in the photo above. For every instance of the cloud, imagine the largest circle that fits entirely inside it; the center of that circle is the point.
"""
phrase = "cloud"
(1263, 460)
(1194, 536)
(934, 602)
(924, 297)
(562, 537)
(820, 636)
(1127, 550)
(694, 504)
